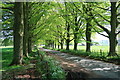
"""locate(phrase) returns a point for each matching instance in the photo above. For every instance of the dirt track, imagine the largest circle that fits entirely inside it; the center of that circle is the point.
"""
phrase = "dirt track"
(85, 69)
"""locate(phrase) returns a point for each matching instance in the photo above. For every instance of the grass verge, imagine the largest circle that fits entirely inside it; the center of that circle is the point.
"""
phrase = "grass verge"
(49, 68)
(7, 56)
(93, 55)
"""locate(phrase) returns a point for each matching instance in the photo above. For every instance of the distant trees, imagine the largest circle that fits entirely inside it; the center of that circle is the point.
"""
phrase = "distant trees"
(7, 23)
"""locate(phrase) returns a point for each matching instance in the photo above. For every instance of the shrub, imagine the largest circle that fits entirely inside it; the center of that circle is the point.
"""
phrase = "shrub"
(48, 68)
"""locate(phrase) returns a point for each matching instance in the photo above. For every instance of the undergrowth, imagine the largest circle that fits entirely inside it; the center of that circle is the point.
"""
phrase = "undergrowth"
(49, 69)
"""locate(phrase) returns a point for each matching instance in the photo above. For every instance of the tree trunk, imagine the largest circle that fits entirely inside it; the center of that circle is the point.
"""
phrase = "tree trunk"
(112, 46)
(58, 46)
(68, 36)
(61, 44)
(112, 35)
(29, 45)
(75, 41)
(67, 28)
(18, 34)
(55, 44)
(67, 44)
(75, 45)
(25, 37)
(76, 30)
(88, 36)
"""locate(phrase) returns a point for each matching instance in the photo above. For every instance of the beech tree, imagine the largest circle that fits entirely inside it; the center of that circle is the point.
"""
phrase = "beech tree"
(25, 36)
(18, 33)
(113, 21)
(87, 10)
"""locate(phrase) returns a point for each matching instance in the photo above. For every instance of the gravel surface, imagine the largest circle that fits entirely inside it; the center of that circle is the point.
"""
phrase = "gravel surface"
(106, 70)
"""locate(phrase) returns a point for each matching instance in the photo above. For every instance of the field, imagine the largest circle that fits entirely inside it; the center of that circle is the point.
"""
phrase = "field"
(94, 48)
(7, 55)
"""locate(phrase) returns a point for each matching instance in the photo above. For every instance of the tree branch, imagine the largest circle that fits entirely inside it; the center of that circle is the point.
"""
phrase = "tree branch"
(117, 23)
(71, 39)
(104, 18)
(118, 14)
(118, 33)
(7, 29)
(10, 8)
(104, 8)
(100, 33)
(105, 29)
(118, 5)
(77, 7)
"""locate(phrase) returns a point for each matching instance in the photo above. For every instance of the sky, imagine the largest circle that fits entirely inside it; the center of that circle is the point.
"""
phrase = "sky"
(99, 37)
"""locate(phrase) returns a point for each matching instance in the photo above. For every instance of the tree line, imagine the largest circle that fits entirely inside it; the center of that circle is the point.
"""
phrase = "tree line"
(56, 24)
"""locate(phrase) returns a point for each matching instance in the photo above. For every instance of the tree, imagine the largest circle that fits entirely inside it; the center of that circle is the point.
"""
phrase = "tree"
(25, 36)
(18, 33)
(68, 23)
(7, 23)
(111, 34)
(87, 10)
(77, 28)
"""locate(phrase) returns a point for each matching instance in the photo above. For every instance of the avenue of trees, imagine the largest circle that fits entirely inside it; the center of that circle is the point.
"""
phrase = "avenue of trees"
(56, 24)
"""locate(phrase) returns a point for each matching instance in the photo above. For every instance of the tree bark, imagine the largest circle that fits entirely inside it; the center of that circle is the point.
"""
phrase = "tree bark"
(67, 28)
(58, 46)
(76, 30)
(88, 36)
(75, 45)
(55, 44)
(61, 44)
(112, 35)
(68, 36)
(52, 44)
(25, 37)
(29, 45)
(18, 34)
(75, 41)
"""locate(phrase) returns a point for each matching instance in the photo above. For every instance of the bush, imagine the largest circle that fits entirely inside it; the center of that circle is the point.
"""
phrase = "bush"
(48, 68)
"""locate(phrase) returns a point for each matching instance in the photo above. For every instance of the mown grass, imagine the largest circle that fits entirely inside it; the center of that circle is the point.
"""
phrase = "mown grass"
(97, 52)
(7, 56)
(95, 49)
(93, 55)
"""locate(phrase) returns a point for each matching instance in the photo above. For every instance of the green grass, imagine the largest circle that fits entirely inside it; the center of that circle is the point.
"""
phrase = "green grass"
(96, 48)
(7, 56)
(94, 55)
(97, 52)
(93, 48)
(6, 47)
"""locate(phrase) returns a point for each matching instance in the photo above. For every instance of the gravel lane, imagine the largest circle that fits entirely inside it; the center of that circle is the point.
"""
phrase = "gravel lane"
(107, 70)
